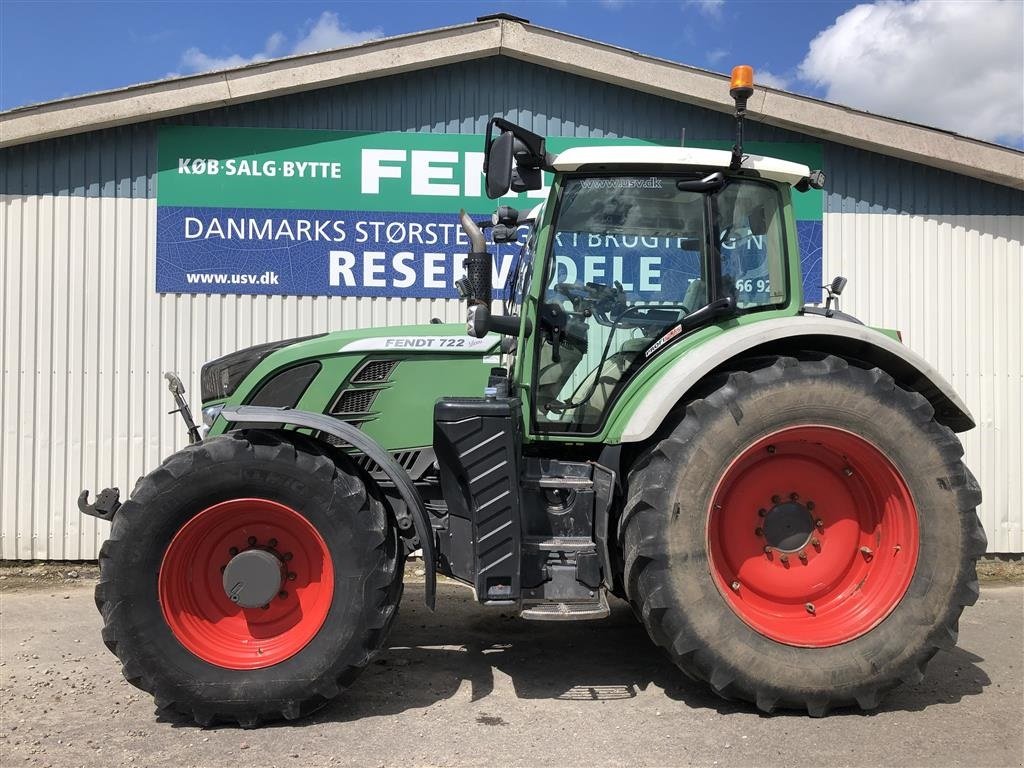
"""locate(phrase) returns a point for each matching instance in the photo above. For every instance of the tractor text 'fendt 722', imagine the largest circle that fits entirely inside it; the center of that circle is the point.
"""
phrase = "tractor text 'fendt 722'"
(776, 489)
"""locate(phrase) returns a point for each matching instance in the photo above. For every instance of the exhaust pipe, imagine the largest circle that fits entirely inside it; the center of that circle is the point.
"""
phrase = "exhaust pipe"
(476, 237)
(475, 287)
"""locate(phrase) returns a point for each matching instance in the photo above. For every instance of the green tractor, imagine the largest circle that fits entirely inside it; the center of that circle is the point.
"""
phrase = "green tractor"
(776, 489)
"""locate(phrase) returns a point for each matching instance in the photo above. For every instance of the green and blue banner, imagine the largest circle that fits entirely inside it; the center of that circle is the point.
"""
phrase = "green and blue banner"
(347, 213)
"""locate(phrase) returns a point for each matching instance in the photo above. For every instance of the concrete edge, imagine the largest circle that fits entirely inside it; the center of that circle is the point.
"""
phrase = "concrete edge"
(293, 74)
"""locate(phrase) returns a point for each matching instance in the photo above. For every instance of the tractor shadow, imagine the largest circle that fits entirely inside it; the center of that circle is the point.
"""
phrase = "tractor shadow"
(432, 656)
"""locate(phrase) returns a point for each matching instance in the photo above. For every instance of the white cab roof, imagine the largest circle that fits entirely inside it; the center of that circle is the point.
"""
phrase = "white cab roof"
(768, 167)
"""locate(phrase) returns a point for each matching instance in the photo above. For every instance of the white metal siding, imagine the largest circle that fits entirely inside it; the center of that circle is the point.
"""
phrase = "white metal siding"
(86, 340)
(85, 337)
(952, 285)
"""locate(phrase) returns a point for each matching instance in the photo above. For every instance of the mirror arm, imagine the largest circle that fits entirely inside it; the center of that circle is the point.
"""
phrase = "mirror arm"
(480, 321)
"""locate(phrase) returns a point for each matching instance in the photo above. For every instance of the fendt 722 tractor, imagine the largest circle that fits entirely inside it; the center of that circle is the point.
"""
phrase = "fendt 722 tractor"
(776, 489)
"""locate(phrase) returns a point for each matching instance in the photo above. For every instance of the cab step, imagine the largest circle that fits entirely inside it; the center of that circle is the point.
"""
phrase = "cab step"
(568, 611)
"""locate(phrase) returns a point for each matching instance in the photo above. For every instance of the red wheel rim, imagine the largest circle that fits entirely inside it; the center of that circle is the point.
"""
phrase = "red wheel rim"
(202, 616)
(812, 536)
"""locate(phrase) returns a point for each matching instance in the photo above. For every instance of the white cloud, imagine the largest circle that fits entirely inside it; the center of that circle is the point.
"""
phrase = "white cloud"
(321, 34)
(717, 55)
(957, 66)
(771, 80)
(328, 32)
(711, 8)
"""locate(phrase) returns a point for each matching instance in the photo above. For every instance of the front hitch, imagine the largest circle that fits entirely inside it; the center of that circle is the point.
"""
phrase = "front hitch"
(108, 501)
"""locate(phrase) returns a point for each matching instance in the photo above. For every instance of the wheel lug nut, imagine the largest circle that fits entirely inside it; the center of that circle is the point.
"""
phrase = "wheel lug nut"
(768, 552)
(776, 499)
(810, 506)
(815, 543)
(282, 594)
(233, 551)
(819, 524)
(794, 496)
(735, 586)
(784, 559)
(272, 543)
(286, 556)
(291, 576)
(803, 556)
(810, 608)
(771, 449)
(252, 541)
(762, 512)
(758, 532)
(848, 472)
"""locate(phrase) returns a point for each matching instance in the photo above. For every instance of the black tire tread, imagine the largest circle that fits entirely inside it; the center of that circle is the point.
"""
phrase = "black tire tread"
(311, 457)
(647, 562)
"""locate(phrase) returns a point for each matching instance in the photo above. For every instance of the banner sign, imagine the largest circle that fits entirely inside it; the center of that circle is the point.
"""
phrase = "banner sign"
(346, 213)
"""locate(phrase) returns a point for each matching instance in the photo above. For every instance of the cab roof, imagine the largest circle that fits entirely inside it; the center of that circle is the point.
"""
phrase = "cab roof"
(766, 167)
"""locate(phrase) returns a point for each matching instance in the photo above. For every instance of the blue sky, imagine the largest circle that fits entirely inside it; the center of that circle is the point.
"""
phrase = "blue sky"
(897, 58)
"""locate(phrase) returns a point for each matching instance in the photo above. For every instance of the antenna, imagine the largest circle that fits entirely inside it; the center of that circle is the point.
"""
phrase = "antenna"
(741, 88)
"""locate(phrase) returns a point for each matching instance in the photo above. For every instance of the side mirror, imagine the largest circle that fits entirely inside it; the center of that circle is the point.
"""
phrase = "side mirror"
(513, 160)
(499, 165)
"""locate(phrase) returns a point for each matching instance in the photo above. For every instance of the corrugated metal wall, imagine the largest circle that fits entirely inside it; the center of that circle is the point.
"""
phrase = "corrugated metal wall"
(86, 339)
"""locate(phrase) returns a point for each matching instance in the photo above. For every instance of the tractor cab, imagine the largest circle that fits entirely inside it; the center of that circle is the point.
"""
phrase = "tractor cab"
(637, 247)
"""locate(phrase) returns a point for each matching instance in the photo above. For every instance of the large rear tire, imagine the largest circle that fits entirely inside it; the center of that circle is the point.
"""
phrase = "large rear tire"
(805, 537)
(292, 509)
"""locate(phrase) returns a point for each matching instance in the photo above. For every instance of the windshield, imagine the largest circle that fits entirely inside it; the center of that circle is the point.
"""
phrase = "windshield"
(631, 256)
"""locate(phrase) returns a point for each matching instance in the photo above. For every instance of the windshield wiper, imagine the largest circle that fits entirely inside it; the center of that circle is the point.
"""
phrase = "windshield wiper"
(710, 183)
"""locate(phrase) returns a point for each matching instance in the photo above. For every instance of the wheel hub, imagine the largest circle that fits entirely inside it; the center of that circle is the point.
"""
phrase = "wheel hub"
(788, 526)
(253, 578)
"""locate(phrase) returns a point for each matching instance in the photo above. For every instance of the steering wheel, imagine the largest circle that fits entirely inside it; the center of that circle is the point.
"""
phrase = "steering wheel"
(597, 296)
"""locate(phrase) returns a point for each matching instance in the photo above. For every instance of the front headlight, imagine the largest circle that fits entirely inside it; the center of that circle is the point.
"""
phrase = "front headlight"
(220, 378)
(211, 412)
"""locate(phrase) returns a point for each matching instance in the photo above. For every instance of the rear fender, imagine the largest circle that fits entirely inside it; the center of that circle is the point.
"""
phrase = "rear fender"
(790, 335)
(359, 440)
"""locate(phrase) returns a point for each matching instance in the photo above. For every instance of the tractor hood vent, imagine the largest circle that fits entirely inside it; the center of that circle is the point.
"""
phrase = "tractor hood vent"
(375, 371)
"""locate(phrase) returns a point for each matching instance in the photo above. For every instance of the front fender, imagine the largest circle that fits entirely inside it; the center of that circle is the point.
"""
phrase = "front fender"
(359, 440)
(790, 335)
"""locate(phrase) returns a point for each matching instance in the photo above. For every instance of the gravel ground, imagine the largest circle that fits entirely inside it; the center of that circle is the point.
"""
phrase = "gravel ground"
(471, 686)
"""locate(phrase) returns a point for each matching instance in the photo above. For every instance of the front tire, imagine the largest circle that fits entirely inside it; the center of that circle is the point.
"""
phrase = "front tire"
(805, 537)
(309, 519)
